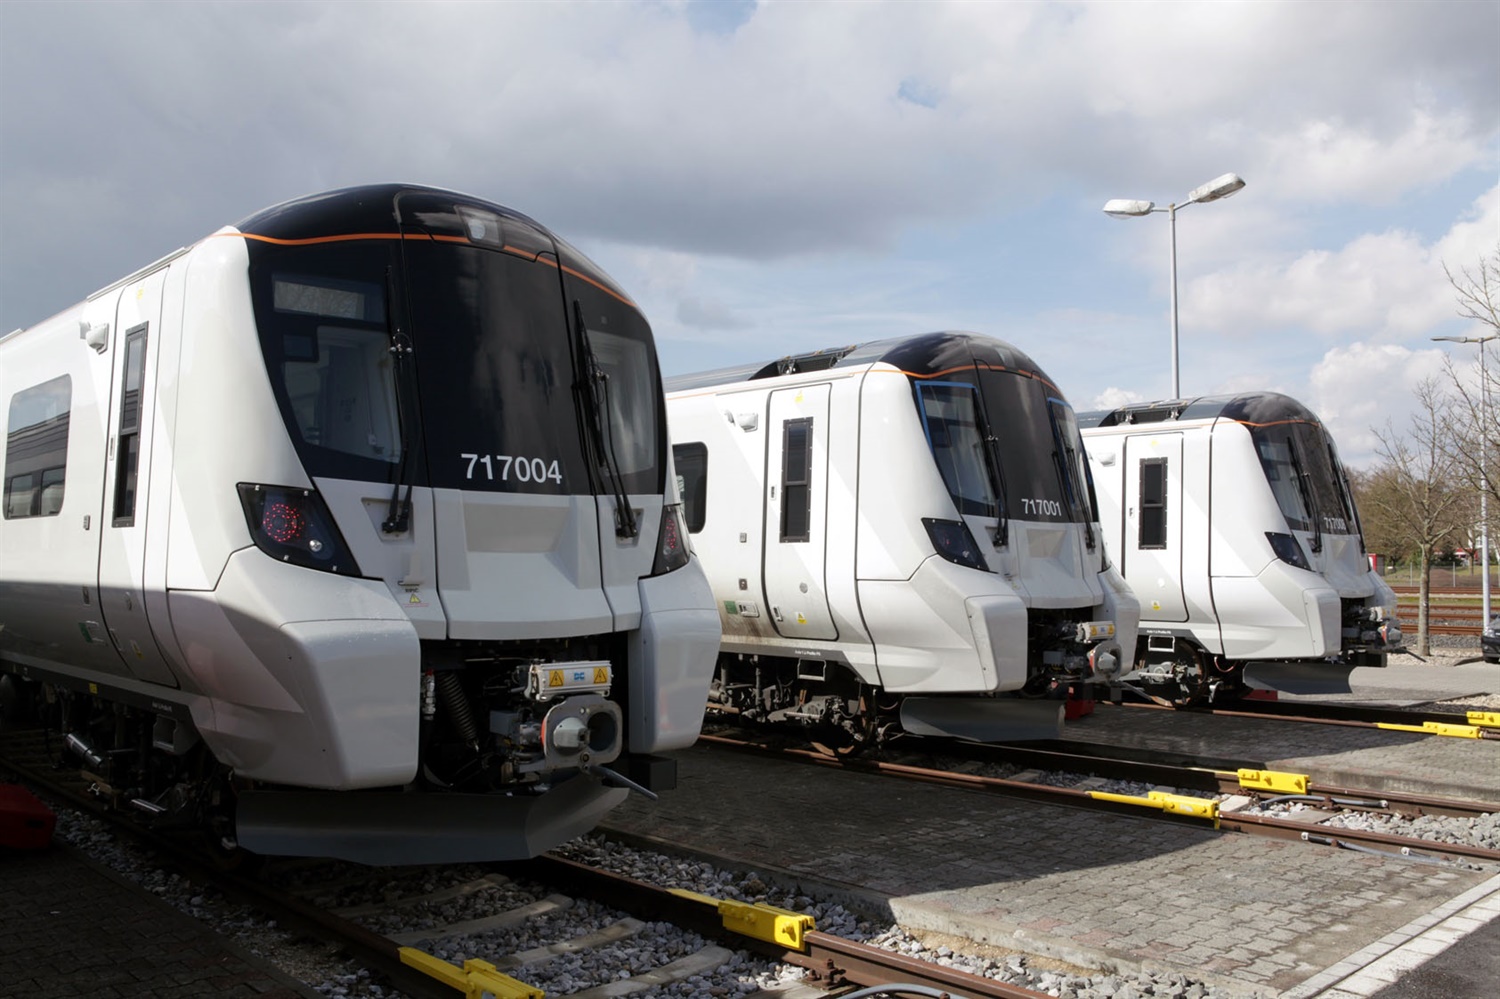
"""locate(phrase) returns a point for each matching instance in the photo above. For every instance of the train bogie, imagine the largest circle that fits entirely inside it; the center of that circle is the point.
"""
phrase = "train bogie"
(368, 493)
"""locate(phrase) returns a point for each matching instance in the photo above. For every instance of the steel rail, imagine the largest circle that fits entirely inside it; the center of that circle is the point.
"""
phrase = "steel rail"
(1208, 774)
(1324, 713)
(834, 961)
(1093, 801)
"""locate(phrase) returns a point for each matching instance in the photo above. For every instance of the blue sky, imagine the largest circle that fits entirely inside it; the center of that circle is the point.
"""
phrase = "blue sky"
(778, 177)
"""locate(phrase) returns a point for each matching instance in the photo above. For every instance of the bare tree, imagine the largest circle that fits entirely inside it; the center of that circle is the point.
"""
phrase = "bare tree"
(1412, 500)
(1476, 428)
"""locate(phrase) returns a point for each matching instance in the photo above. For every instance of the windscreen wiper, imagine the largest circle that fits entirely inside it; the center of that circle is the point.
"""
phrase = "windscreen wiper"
(398, 512)
(1082, 498)
(594, 393)
(997, 483)
(1308, 499)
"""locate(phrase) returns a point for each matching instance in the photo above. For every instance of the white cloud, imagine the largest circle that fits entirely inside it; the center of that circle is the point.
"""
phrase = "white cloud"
(1358, 388)
(1114, 397)
(1383, 286)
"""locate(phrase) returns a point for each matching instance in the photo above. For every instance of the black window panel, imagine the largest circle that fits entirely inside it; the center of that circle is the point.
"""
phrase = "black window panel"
(692, 482)
(796, 479)
(323, 315)
(1020, 417)
(1153, 522)
(496, 372)
(128, 444)
(625, 349)
(36, 449)
(956, 436)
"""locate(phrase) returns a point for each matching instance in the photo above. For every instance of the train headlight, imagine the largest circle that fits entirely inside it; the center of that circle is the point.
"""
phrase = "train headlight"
(294, 525)
(1287, 549)
(671, 542)
(951, 539)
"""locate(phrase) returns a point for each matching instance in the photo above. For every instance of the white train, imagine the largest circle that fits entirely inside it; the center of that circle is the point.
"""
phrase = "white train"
(896, 533)
(351, 527)
(1232, 520)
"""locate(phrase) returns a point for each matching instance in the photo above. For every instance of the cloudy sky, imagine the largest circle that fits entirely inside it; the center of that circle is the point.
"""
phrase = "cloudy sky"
(778, 177)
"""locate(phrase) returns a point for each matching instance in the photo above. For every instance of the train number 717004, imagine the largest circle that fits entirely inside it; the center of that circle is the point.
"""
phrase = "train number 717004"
(522, 468)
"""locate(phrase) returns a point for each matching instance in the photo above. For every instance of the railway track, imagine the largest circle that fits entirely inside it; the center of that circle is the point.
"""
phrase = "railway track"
(1465, 725)
(1249, 784)
(397, 922)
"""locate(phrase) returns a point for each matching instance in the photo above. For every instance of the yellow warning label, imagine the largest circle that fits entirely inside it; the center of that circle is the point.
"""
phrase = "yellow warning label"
(800, 618)
(555, 678)
(601, 675)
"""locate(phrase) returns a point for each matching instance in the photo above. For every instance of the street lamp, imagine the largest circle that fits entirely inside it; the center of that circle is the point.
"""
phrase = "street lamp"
(1484, 478)
(1124, 208)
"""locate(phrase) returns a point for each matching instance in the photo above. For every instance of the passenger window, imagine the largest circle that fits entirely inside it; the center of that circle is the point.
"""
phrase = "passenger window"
(796, 480)
(128, 446)
(692, 482)
(1153, 532)
(36, 449)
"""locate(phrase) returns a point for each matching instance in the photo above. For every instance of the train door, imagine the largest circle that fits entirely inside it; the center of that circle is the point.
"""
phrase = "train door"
(796, 512)
(122, 550)
(1151, 550)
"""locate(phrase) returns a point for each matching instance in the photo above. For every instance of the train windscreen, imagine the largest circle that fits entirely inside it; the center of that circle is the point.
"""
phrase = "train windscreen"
(1301, 469)
(956, 435)
(453, 365)
(1032, 454)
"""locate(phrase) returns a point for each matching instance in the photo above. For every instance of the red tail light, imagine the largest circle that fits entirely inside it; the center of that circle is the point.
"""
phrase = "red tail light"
(294, 525)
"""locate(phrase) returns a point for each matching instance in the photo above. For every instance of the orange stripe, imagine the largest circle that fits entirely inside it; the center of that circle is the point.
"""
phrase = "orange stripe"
(355, 236)
(988, 367)
(1278, 423)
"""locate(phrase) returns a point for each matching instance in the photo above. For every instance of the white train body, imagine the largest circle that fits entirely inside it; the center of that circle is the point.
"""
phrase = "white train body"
(874, 555)
(338, 491)
(1232, 520)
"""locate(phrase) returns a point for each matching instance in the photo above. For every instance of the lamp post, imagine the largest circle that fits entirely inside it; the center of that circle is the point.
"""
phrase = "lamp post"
(1124, 208)
(1484, 478)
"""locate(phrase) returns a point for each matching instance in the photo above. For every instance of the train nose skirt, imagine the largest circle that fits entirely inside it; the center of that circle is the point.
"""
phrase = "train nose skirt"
(982, 719)
(1300, 678)
(380, 827)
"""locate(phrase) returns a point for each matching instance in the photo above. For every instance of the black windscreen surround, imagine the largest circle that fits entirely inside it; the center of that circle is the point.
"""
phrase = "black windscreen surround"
(1031, 457)
(323, 315)
(1299, 463)
(395, 317)
(490, 335)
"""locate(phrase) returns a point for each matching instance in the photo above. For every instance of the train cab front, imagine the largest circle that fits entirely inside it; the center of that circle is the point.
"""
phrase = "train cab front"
(1018, 544)
(479, 412)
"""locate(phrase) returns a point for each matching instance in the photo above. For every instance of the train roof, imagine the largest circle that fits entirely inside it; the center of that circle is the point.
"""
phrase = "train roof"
(924, 355)
(1246, 407)
(371, 208)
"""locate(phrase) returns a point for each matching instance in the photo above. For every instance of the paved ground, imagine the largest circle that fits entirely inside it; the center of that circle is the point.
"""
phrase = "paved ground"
(70, 928)
(1257, 915)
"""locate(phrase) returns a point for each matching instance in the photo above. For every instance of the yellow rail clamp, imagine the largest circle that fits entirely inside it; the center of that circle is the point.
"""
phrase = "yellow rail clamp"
(1438, 728)
(757, 920)
(475, 979)
(1273, 780)
(1178, 804)
(1488, 719)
